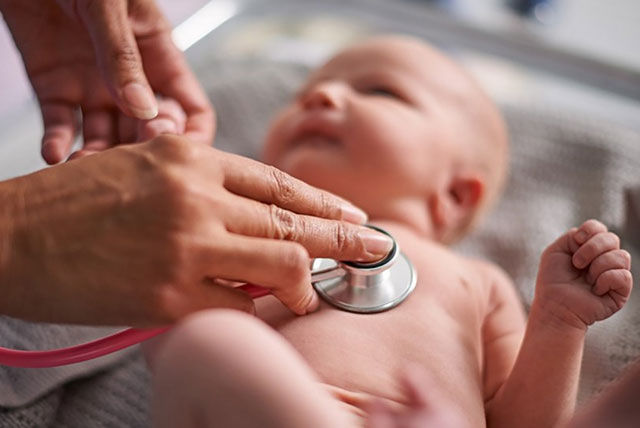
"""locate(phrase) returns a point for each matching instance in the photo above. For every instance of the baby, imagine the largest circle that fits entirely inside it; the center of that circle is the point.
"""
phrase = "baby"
(403, 132)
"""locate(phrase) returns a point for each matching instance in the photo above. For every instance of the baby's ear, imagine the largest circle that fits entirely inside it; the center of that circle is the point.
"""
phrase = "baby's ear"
(455, 205)
(466, 192)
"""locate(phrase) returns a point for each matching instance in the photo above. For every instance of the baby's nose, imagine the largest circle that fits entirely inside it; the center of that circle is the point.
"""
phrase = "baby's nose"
(326, 95)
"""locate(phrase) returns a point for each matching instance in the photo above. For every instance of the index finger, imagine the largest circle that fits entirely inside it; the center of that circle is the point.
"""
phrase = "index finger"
(267, 184)
(319, 236)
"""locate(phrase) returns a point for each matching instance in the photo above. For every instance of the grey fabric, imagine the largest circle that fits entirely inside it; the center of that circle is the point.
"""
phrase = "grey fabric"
(20, 386)
(113, 397)
(117, 397)
(246, 95)
(566, 167)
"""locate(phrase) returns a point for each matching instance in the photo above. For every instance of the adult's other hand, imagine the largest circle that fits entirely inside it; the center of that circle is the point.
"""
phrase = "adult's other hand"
(103, 59)
(143, 234)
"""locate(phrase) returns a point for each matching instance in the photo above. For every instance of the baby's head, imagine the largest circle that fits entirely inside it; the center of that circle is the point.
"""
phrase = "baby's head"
(400, 130)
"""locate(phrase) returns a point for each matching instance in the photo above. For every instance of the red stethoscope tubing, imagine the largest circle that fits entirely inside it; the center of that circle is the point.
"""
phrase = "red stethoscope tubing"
(95, 348)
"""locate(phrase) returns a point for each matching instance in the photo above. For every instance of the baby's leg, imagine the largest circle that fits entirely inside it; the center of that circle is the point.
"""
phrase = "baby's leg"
(227, 369)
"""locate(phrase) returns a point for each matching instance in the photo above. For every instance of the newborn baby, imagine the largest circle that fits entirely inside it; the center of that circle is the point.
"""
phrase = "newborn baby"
(404, 133)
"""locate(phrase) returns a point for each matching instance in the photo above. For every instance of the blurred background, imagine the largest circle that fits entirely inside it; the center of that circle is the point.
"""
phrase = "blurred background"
(608, 31)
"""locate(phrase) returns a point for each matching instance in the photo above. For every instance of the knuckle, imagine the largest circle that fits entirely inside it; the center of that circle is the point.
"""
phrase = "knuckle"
(328, 207)
(283, 189)
(342, 240)
(613, 239)
(296, 259)
(284, 224)
(124, 57)
(175, 149)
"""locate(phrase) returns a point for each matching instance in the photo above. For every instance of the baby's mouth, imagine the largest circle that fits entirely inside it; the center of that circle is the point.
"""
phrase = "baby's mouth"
(316, 141)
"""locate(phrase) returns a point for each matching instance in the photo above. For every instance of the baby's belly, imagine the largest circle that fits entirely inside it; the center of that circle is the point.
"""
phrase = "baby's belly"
(364, 355)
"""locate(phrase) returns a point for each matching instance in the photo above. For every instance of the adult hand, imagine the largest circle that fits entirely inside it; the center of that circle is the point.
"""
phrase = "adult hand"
(102, 59)
(141, 234)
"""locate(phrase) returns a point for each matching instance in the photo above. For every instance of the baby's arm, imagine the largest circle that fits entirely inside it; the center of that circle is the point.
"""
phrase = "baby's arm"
(502, 332)
(583, 277)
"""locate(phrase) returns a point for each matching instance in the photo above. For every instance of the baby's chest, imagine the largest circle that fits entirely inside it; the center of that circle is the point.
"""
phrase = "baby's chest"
(455, 290)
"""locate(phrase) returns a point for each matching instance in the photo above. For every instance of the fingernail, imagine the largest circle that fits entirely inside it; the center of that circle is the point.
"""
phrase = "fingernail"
(353, 214)
(580, 236)
(51, 152)
(375, 243)
(140, 101)
(578, 261)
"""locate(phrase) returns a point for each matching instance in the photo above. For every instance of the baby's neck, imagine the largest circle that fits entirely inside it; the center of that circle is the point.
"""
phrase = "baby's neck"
(409, 214)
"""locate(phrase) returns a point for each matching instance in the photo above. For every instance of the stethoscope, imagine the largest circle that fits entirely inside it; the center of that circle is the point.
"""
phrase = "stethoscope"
(350, 286)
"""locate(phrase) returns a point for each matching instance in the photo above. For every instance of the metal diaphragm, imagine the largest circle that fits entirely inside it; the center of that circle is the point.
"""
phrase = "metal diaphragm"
(365, 287)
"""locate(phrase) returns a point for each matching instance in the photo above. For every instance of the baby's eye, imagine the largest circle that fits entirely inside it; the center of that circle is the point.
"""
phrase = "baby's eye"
(380, 91)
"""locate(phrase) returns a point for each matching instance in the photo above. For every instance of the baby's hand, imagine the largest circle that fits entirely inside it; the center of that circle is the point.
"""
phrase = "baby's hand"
(584, 276)
(171, 119)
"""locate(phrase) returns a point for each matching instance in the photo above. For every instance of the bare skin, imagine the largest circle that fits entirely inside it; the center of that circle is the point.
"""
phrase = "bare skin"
(397, 130)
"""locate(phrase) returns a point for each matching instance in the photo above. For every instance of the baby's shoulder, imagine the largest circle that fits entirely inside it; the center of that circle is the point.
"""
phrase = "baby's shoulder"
(496, 282)
(477, 268)
(488, 270)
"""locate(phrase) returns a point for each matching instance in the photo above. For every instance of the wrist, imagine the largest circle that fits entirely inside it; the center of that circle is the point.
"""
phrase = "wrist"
(552, 315)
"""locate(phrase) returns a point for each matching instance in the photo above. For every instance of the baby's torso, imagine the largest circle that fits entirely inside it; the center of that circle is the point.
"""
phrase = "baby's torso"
(438, 328)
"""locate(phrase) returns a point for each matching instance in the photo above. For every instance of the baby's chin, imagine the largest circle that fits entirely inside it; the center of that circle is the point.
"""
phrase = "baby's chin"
(320, 162)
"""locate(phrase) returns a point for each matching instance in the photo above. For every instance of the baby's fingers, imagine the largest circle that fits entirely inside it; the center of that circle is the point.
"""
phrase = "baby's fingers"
(598, 244)
(587, 230)
(171, 119)
(617, 283)
(615, 259)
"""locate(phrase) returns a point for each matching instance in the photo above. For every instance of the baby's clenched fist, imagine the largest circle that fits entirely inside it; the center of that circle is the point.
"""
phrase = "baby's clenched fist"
(584, 276)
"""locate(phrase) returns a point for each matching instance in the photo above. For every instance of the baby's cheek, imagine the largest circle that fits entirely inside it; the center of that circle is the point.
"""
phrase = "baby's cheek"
(275, 141)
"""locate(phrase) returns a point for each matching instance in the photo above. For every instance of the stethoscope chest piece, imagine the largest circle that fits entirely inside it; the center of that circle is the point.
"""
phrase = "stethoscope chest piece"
(365, 287)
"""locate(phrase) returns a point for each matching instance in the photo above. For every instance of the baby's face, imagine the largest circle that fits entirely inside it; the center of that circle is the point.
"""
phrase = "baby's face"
(369, 124)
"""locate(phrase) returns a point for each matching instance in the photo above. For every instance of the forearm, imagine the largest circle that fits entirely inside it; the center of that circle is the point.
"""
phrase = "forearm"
(542, 387)
(10, 197)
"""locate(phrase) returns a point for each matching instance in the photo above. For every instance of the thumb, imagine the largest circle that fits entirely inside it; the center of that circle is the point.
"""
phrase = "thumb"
(118, 57)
